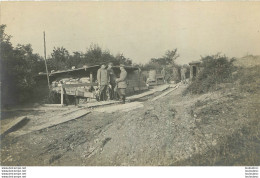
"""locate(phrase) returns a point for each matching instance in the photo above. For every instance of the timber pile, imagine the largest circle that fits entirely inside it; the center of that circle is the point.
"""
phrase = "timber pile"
(76, 87)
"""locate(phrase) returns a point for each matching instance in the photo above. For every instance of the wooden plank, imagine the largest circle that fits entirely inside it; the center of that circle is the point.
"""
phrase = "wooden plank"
(165, 93)
(79, 85)
(35, 109)
(141, 95)
(120, 108)
(6, 128)
(61, 95)
(53, 121)
(97, 104)
(61, 119)
(53, 105)
(161, 87)
(150, 92)
(88, 94)
(78, 93)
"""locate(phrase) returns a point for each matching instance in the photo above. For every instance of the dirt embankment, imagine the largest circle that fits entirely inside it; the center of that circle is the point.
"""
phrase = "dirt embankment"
(220, 128)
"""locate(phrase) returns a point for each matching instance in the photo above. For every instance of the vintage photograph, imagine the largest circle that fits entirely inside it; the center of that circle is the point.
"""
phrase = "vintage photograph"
(130, 83)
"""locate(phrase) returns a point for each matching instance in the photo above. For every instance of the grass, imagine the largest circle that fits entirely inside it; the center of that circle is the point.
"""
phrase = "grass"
(235, 116)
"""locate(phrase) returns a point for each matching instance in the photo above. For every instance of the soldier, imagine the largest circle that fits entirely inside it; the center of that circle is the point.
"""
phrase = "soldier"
(121, 83)
(102, 77)
(183, 75)
(163, 74)
(111, 80)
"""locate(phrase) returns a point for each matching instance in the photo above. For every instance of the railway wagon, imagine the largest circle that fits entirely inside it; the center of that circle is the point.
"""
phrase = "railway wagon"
(82, 82)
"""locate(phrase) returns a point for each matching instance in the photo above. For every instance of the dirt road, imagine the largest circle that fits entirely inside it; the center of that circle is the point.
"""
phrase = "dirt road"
(166, 132)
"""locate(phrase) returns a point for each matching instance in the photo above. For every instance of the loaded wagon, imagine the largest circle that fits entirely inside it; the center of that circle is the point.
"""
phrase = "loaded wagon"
(81, 83)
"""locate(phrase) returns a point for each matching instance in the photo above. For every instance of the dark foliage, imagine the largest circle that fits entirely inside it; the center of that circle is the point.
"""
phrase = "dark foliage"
(167, 61)
(60, 58)
(216, 69)
(18, 66)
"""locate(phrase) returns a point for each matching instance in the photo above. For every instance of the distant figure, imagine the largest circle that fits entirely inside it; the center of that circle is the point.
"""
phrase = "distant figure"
(175, 74)
(148, 82)
(163, 74)
(111, 80)
(121, 83)
(183, 75)
(102, 77)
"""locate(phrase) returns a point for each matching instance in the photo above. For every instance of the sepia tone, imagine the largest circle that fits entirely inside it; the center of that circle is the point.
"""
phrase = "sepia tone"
(130, 83)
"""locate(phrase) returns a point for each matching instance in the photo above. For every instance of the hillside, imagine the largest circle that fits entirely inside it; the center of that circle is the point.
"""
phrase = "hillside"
(216, 128)
(248, 61)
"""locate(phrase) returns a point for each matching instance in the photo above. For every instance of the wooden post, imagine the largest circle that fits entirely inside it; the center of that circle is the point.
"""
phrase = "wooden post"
(91, 77)
(191, 72)
(76, 101)
(61, 96)
(47, 73)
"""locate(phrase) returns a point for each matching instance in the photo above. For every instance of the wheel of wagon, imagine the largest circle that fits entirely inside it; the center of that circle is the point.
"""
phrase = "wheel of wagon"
(108, 93)
(97, 94)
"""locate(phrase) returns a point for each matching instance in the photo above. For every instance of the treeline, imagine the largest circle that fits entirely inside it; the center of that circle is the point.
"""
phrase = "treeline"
(61, 59)
(168, 62)
(18, 66)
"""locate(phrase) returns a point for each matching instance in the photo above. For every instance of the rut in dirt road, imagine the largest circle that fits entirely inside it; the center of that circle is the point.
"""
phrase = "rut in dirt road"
(157, 134)
(165, 132)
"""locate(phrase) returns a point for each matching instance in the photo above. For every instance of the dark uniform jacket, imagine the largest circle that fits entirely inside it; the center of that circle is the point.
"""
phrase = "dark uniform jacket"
(102, 76)
(183, 72)
(112, 76)
(121, 81)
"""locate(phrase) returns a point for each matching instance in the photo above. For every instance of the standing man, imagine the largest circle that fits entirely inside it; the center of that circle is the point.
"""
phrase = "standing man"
(111, 80)
(176, 75)
(183, 75)
(163, 74)
(102, 77)
(121, 83)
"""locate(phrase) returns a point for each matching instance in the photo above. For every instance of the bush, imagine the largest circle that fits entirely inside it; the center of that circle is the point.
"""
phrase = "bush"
(18, 66)
(216, 69)
(248, 79)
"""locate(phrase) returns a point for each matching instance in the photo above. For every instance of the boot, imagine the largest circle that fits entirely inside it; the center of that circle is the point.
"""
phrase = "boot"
(123, 99)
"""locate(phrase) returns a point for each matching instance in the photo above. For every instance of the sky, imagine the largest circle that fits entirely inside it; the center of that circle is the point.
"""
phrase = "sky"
(139, 30)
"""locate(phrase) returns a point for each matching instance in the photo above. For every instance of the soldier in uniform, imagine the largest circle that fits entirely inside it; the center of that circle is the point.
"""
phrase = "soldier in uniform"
(183, 75)
(163, 74)
(102, 77)
(121, 83)
(111, 80)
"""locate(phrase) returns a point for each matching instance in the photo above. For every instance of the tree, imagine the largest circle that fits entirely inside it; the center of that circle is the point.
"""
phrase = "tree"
(121, 59)
(18, 66)
(76, 60)
(93, 55)
(170, 56)
(167, 61)
(216, 69)
(59, 59)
